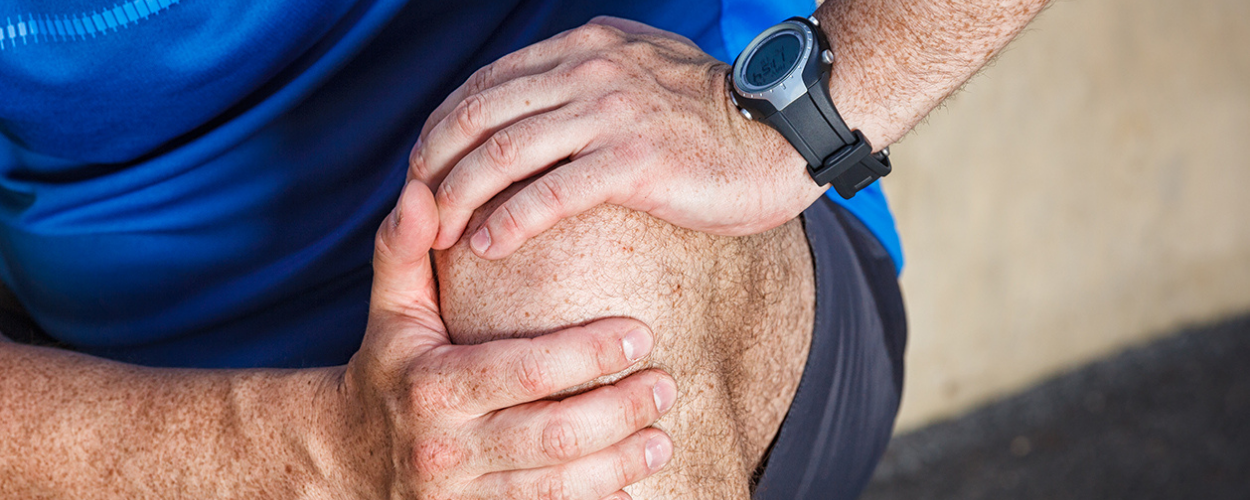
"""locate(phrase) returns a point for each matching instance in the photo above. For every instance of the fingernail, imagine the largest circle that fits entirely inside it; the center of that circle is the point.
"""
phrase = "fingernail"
(480, 240)
(657, 453)
(399, 205)
(665, 394)
(636, 344)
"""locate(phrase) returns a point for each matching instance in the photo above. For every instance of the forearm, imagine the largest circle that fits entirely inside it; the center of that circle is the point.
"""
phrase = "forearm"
(896, 60)
(74, 426)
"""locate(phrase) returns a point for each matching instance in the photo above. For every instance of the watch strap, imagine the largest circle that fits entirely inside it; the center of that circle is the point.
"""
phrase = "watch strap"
(843, 158)
(852, 168)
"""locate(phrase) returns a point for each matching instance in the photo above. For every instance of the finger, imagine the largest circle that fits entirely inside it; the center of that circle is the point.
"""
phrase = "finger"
(536, 59)
(514, 371)
(509, 155)
(402, 277)
(554, 432)
(591, 477)
(620, 495)
(532, 60)
(563, 192)
(475, 118)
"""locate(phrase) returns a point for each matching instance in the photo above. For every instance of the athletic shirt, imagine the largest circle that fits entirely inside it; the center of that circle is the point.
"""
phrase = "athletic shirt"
(197, 183)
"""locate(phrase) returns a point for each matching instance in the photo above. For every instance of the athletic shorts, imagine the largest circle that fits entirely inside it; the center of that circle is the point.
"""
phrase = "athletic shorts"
(843, 413)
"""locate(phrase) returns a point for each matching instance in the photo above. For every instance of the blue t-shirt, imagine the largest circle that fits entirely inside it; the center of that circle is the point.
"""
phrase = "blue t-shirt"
(195, 183)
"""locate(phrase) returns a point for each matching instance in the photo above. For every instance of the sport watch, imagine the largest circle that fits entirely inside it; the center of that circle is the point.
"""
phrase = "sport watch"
(782, 79)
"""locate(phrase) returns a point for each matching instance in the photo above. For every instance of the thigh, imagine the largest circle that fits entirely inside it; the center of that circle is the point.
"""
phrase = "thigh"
(732, 316)
(843, 414)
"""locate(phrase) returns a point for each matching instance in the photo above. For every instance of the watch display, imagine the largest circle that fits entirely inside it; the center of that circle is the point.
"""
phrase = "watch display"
(773, 59)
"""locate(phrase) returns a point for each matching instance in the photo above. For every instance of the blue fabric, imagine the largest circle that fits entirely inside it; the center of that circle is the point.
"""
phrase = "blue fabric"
(222, 240)
(197, 183)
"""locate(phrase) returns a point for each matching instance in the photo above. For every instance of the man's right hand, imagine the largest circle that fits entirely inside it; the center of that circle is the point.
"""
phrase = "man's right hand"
(418, 417)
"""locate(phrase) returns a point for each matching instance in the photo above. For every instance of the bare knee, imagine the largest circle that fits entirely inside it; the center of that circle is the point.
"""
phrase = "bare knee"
(732, 319)
(608, 261)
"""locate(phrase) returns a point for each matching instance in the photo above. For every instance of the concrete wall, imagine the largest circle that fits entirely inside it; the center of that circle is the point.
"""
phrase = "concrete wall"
(1087, 192)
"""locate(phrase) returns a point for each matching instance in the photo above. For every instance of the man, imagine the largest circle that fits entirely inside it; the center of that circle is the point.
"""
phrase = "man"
(209, 204)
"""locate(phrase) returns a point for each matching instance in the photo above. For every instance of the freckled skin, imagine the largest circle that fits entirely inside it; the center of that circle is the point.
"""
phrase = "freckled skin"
(72, 426)
(732, 318)
(897, 60)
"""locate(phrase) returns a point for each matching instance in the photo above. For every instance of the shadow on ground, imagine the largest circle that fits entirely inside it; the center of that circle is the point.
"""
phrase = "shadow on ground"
(1170, 420)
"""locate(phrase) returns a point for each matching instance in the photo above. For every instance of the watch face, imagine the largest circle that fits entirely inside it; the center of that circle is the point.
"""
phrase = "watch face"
(772, 60)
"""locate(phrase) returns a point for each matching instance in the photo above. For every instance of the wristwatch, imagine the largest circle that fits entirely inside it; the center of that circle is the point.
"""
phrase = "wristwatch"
(782, 79)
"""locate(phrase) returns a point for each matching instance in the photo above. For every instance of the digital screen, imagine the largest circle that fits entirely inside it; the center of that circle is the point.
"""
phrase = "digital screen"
(773, 60)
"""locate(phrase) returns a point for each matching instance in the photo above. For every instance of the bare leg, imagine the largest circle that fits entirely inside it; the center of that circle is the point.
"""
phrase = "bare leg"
(732, 317)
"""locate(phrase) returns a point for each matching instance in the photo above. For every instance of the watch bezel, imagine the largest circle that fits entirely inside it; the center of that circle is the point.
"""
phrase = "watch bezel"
(787, 89)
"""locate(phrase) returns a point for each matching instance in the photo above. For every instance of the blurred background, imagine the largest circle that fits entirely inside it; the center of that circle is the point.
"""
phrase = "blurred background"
(1076, 226)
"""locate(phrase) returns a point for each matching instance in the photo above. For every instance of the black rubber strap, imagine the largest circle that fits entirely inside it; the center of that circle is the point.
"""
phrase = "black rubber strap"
(843, 158)
(852, 168)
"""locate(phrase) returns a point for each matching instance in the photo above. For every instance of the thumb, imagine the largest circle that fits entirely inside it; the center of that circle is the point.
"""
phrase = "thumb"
(403, 280)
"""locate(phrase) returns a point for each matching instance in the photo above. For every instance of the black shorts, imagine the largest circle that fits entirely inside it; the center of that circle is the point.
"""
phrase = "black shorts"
(843, 413)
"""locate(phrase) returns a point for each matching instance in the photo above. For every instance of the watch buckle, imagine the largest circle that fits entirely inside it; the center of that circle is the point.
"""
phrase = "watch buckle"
(852, 167)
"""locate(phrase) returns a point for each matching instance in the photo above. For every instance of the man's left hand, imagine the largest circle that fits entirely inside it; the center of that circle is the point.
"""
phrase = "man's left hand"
(612, 112)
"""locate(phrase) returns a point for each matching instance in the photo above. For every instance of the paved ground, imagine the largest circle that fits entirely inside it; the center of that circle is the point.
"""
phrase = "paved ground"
(1170, 420)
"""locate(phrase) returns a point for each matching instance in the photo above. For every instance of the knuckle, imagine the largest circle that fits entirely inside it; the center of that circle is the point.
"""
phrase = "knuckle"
(481, 78)
(560, 442)
(606, 353)
(552, 486)
(448, 195)
(639, 49)
(532, 375)
(428, 396)
(436, 457)
(381, 249)
(635, 410)
(470, 115)
(622, 471)
(418, 167)
(596, 33)
(618, 104)
(596, 68)
(634, 152)
(551, 191)
(509, 221)
(501, 150)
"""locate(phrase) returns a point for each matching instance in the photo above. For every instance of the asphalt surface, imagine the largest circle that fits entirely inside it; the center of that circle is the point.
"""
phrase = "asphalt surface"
(1169, 420)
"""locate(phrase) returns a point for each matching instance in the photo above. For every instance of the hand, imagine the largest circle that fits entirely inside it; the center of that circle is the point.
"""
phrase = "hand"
(427, 419)
(612, 112)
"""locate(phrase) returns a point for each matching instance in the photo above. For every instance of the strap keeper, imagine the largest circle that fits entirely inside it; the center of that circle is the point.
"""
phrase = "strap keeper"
(852, 167)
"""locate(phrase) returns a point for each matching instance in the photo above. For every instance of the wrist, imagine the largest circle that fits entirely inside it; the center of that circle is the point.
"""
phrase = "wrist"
(785, 167)
(309, 417)
(345, 442)
(782, 79)
(862, 77)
